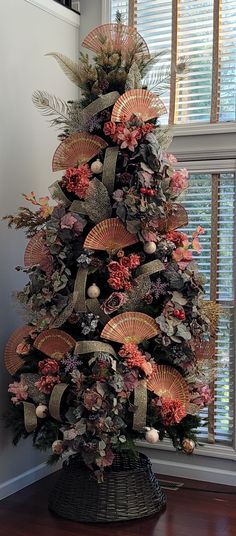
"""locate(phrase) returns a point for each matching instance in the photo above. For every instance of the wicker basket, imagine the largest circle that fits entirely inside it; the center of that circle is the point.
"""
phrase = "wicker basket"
(130, 490)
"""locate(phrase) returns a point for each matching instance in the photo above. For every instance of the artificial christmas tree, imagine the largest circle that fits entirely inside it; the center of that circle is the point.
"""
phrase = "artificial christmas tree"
(117, 336)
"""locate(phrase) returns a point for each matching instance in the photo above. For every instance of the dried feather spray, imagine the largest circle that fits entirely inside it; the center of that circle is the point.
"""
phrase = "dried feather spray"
(51, 106)
(69, 67)
(212, 311)
(97, 204)
(134, 79)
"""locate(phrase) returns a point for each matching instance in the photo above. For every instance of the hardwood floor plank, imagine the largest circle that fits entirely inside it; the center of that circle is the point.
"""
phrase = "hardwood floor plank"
(190, 512)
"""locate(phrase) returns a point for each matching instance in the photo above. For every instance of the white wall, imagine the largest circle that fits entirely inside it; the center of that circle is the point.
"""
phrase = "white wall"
(27, 144)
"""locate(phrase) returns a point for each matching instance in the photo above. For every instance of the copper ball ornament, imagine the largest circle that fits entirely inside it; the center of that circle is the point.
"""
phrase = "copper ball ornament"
(188, 446)
(58, 447)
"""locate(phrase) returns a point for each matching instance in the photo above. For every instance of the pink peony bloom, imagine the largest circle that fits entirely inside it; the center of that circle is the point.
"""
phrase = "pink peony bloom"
(19, 390)
(46, 383)
(74, 223)
(48, 366)
(179, 180)
(171, 158)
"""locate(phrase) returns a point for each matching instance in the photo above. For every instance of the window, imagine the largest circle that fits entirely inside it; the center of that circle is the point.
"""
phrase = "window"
(204, 31)
(71, 4)
(210, 200)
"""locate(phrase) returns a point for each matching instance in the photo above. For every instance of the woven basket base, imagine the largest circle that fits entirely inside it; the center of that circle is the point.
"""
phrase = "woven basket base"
(130, 490)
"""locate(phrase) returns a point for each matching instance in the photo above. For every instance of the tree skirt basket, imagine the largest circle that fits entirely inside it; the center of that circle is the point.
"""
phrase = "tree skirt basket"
(130, 490)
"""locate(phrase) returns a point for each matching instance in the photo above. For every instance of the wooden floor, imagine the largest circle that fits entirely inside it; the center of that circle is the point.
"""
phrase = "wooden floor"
(198, 511)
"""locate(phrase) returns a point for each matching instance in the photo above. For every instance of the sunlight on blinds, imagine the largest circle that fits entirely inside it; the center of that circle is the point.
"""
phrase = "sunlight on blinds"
(206, 35)
(228, 61)
(198, 203)
(194, 41)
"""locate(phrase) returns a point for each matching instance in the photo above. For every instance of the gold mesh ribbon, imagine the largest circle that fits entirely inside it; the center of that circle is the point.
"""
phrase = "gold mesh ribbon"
(78, 207)
(55, 400)
(109, 168)
(100, 104)
(93, 306)
(89, 347)
(63, 316)
(151, 267)
(140, 400)
(30, 419)
(57, 193)
(79, 290)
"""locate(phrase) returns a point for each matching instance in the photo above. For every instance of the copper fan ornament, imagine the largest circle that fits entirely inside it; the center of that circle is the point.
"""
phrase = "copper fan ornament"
(168, 383)
(140, 102)
(12, 359)
(54, 343)
(109, 235)
(203, 350)
(176, 216)
(130, 327)
(116, 38)
(77, 149)
(35, 249)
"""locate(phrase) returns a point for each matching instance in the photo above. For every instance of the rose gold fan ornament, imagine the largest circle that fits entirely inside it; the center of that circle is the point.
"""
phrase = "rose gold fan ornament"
(77, 149)
(168, 383)
(140, 102)
(116, 38)
(15, 349)
(130, 327)
(55, 343)
(109, 235)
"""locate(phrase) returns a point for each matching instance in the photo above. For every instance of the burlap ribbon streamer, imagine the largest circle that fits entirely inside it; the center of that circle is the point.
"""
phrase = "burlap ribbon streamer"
(79, 290)
(100, 104)
(55, 400)
(57, 193)
(151, 267)
(109, 168)
(89, 347)
(77, 302)
(93, 306)
(140, 400)
(30, 418)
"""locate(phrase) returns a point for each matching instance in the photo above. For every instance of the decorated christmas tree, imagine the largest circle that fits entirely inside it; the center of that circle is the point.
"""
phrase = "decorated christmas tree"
(117, 336)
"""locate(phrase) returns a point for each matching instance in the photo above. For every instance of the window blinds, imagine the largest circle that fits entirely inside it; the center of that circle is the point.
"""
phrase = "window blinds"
(210, 201)
(204, 31)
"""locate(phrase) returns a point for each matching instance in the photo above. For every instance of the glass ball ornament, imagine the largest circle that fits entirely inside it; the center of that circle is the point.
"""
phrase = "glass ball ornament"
(93, 291)
(152, 435)
(41, 411)
(188, 446)
(97, 167)
(58, 447)
(150, 247)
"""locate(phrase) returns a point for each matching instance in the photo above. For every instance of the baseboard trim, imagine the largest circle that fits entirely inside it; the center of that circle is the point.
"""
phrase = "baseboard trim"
(25, 479)
(193, 472)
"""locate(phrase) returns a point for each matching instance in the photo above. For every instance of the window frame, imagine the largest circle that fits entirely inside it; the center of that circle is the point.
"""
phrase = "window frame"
(202, 147)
